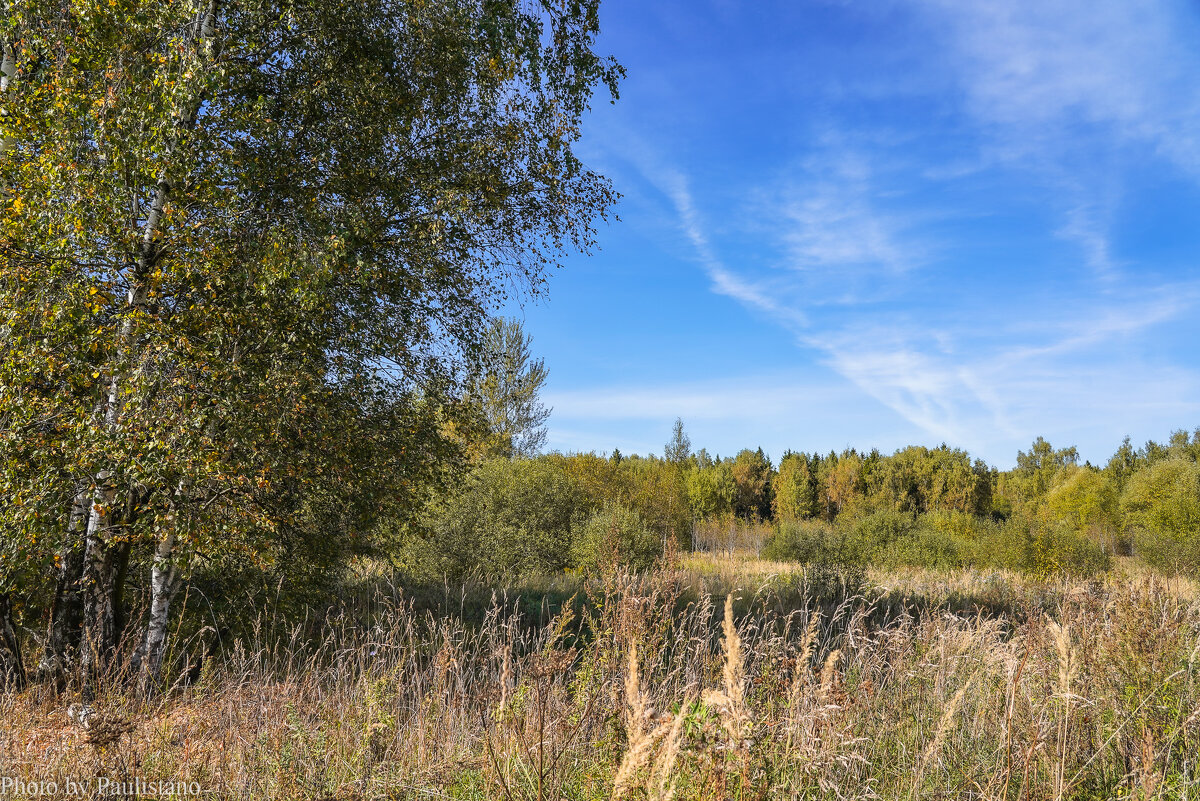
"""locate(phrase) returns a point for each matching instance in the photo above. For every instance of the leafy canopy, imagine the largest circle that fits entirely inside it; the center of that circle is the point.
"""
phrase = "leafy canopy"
(246, 246)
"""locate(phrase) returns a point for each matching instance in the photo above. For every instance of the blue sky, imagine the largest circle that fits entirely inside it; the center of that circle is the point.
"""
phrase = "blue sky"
(884, 223)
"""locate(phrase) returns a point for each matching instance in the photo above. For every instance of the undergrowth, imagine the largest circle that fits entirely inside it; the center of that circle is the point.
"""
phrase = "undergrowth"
(734, 684)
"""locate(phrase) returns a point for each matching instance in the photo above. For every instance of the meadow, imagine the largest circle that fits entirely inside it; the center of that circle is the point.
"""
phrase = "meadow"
(280, 513)
(708, 677)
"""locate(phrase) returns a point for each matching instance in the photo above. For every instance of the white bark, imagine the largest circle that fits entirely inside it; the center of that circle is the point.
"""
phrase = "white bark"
(8, 71)
(164, 574)
(99, 632)
(164, 583)
(8, 68)
(99, 616)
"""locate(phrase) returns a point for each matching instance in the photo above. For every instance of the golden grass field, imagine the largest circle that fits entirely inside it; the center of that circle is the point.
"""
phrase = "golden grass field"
(712, 678)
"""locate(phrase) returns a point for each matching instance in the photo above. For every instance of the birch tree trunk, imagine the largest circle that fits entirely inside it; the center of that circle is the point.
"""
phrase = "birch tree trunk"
(8, 71)
(164, 575)
(98, 639)
(66, 610)
(12, 672)
(99, 564)
(10, 649)
(164, 583)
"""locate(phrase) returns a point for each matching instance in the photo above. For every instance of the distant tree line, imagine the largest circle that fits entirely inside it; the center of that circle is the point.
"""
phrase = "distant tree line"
(919, 506)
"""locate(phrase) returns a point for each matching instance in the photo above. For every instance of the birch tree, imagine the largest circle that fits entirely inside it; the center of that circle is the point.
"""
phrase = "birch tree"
(247, 248)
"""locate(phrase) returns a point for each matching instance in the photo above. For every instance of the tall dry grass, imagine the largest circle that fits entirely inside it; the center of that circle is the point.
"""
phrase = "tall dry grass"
(652, 687)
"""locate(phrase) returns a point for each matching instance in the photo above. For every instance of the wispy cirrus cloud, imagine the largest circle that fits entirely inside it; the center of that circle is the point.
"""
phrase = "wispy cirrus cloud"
(1080, 92)
(832, 221)
(708, 399)
(675, 187)
(725, 282)
(978, 380)
(1055, 370)
(1038, 70)
(724, 413)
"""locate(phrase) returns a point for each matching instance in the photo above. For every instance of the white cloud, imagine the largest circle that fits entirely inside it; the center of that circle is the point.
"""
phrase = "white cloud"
(1079, 90)
(965, 384)
(1091, 234)
(834, 222)
(675, 186)
(1066, 373)
(1040, 66)
(724, 414)
(1069, 98)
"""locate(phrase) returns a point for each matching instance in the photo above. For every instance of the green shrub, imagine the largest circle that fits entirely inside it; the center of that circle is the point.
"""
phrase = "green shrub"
(981, 542)
(884, 538)
(809, 541)
(1086, 500)
(940, 540)
(963, 526)
(1044, 550)
(615, 536)
(868, 539)
(1168, 551)
(1162, 509)
(921, 546)
(510, 518)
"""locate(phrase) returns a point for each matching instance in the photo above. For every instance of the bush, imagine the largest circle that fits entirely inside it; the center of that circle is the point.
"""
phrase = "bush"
(939, 540)
(870, 538)
(1168, 551)
(1045, 549)
(921, 546)
(1162, 508)
(810, 541)
(511, 518)
(615, 536)
(1086, 500)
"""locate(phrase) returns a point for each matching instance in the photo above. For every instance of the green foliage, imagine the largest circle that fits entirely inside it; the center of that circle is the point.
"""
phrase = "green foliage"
(1122, 465)
(537, 516)
(679, 449)
(1162, 507)
(841, 482)
(1052, 550)
(922, 546)
(1085, 500)
(615, 537)
(893, 539)
(808, 541)
(876, 537)
(794, 492)
(511, 517)
(940, 540)
(506, 386)
(655, 489)
(652, 487)
(1036, 472)
(751, 472)
(882, 538)
(710, 490)
(918, 479)
(247, 249)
